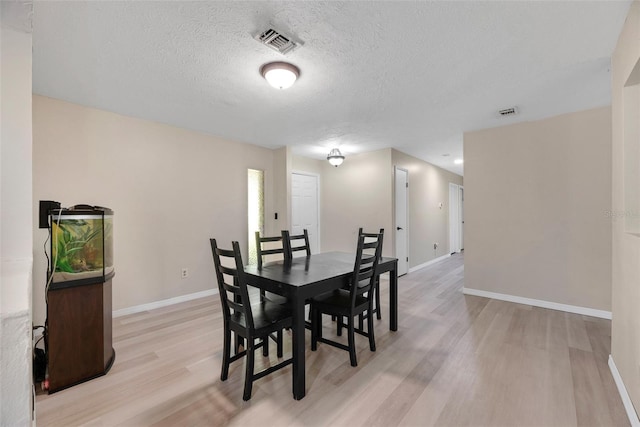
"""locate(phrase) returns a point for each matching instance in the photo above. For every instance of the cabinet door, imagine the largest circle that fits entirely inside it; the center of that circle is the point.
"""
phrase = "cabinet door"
(75, 335)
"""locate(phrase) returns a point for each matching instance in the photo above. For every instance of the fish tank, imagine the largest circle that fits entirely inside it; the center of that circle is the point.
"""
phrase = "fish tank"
(81, 245)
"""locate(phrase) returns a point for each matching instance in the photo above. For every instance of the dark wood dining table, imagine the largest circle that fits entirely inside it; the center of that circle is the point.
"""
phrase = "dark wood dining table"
(309, 276)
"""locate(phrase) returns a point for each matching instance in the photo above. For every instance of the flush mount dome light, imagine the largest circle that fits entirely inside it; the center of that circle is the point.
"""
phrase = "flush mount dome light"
(335, 157)
(280, 75)
(458, 161)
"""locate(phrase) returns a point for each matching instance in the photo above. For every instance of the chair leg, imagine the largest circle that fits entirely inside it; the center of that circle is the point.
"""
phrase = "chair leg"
(372, 341)
(352, 341)
(248, 376)
(265, 346)
(319, 323)
(226, 354)
(314, 329)
(378, 310)
(361, 321)
(279, 343)
(340, 325)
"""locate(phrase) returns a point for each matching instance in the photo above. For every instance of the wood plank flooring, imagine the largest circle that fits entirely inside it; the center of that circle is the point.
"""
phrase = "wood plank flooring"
(456, 360)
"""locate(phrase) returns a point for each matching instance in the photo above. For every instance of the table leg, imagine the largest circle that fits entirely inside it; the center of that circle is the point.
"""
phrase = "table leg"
(393, 298)
(298, 349)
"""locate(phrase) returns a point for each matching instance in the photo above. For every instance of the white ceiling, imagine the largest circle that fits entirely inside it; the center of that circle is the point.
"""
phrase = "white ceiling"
(410, 75)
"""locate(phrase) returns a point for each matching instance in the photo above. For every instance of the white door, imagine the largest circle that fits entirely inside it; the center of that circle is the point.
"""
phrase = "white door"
(304, 208)
(454, 218)
(401, 231)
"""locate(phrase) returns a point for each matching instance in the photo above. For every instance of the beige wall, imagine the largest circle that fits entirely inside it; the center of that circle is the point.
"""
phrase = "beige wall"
(625, 341)
(356, 194)
(171, 191)
(428, 223)
(536, 201)
(15, 214)
(282, 159)
(305, 164)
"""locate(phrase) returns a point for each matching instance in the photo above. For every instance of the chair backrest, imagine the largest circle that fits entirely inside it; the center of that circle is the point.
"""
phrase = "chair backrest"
(231, 282)
(364, 277)
(368, 237)
(301, 243)
(263, 250)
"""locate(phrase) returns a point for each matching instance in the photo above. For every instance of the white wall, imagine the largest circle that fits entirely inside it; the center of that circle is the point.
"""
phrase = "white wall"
(171, 190)
(625, 340)
(15, 214)
(537, 196)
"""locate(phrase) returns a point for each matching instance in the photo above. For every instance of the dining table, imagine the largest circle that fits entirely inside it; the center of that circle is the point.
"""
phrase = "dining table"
(305, 277)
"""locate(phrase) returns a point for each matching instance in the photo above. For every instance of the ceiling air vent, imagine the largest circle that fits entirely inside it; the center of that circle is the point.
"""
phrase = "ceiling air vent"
(276, 41)
(508, 111)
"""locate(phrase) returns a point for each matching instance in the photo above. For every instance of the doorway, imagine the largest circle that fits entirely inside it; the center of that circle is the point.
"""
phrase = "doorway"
(402, 222)
(456, 218)
(304, 207)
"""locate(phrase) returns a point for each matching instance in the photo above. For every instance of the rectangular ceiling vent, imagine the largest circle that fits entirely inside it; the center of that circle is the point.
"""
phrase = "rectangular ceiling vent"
(508, 111)
(277, 41)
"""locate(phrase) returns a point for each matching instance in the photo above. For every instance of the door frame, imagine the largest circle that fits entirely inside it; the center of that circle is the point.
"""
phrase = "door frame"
(317, 177)
(395, 220)
(455, 224)
(461, 216)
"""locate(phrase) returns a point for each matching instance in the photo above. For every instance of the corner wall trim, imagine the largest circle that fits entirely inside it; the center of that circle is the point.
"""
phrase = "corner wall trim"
(163, 303)
(540, 303)
(626, 400)
(428, 263)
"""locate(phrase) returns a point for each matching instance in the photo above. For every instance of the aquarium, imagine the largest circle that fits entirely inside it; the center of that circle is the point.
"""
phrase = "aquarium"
(81, 244)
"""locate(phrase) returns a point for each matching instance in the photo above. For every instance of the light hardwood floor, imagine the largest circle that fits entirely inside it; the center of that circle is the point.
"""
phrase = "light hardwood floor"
(455, 360)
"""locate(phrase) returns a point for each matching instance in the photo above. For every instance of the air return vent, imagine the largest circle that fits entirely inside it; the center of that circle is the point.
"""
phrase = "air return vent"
(277, 41)
(508, 111)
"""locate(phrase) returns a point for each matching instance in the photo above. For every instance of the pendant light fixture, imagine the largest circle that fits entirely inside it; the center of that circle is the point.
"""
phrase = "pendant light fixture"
(335, 157)
(280, 75)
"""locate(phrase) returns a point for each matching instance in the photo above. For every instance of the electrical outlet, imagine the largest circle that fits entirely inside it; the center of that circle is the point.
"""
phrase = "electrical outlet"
(185, 273)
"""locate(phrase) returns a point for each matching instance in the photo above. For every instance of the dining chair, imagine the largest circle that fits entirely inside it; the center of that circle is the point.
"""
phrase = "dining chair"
(376, 308)
(249, 321)
(350, 302)
(270, 246)
(290, 248)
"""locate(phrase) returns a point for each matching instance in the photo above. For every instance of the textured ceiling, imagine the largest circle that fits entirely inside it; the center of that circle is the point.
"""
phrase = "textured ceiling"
(409, 75)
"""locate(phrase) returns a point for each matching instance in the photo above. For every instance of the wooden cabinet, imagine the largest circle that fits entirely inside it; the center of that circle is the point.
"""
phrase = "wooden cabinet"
(79, 341)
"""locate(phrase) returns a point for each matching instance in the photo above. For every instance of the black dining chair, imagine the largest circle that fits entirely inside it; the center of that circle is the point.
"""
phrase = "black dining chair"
(270, 246)
(376, 308)
(351, 302)
(249, 321)
(295, 243)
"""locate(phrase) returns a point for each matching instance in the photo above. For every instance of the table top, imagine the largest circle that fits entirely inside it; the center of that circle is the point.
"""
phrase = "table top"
(305, 270)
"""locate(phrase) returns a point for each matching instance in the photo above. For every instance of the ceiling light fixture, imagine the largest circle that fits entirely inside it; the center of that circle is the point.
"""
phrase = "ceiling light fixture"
(335, 157)
(280, 75)
(458, 161)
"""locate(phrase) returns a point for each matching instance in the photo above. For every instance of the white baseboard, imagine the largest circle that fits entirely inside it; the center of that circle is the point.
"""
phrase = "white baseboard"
(626, 400)
(163, 303)
(540, 303)
(428, 263)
